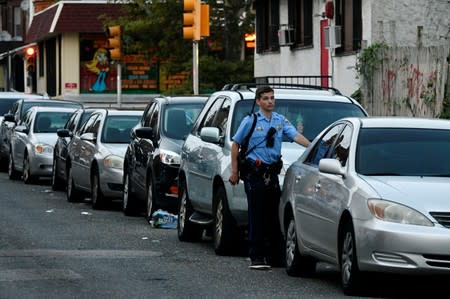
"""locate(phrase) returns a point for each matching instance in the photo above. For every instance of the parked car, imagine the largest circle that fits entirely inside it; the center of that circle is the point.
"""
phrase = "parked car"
(60, 151)
(15, 115)
(370, 195)
(32, 142)
(152, 158)
(95, 156)
(7, 100)
(207, 199)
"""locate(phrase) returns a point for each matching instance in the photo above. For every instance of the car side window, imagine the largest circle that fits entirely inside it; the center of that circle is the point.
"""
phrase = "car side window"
(27, 119)
(221, 117)
(154, 120)
(88, 124)
(95, 126)
(322, 147)
(70, 125)
(208, 121)
(342, 146)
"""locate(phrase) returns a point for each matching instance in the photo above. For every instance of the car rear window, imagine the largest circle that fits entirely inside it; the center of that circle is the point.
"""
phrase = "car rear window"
(5, 105)
(50, 122)
(178, 119)
(117, 128)
(310, 117)
(27, 105)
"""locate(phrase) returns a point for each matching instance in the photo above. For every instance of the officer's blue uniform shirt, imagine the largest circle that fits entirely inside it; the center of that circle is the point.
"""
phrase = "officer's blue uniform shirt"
(260, 151)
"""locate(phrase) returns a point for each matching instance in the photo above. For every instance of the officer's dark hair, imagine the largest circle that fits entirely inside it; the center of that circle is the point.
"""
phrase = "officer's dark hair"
(262, 89)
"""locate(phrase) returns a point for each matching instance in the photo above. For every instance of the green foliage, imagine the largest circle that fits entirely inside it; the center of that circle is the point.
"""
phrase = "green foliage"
(357, 95)
(368, 61)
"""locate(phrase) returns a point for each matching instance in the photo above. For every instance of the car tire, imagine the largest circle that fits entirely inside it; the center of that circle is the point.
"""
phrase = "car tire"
(98, 199)
(128, 200)
(13, 174)
(73, 195)
(225, 230)
(187, 231)
(296, 263)
(351, 276)
(150, 204)
(28, 178)
(57, 183)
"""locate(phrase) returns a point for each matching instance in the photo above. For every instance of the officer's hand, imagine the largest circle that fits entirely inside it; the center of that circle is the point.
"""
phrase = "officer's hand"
(234, 178)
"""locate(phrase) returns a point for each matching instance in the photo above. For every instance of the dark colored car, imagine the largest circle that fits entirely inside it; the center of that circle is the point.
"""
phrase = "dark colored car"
(15, 115)
(152, 158)
(60, 151)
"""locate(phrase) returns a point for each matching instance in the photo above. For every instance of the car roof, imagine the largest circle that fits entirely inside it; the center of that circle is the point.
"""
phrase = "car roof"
(51, 101)
(124, 112)
(52, 109)
(181, 99)
(20, 95)
(402, 122)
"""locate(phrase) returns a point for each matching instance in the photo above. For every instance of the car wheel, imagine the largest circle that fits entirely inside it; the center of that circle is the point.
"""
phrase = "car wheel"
(128, 202)
(351, 277)
(296, 264)
(73, 195)
(98, 200)
(151, 199)
(57, 183)
(225, 230)
(28, 178)
(187, 231)
(12, 172)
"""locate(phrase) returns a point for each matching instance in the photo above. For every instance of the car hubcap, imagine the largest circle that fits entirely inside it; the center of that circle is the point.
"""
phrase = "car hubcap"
(149, 200)
(125, 192)
(347, 257)
(219, 221)
(182, 212)
(291, 242)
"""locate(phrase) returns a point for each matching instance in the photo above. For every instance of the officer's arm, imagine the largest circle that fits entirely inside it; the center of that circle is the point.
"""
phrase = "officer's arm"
(300, 139)
(234, 177)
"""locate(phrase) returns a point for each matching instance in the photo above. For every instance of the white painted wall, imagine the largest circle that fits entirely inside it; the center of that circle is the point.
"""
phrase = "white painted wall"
(395, 22)
(70, 63)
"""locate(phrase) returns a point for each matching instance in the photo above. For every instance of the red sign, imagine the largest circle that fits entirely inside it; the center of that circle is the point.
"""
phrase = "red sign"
(70, 85)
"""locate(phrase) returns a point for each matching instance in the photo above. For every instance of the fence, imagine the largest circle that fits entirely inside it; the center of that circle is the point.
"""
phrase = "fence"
(408, 82)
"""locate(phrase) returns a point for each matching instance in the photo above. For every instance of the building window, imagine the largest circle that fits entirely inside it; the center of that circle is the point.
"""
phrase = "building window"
(17, 23)
(348, 16)
(300, 17)
(267, 25)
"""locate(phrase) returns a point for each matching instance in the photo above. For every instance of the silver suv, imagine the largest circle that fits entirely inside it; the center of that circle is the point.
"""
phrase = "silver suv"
(206, 198)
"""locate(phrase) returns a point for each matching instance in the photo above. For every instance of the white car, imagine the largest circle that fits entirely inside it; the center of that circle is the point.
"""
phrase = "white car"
(370, 195)
(33, 140)
(207, 199)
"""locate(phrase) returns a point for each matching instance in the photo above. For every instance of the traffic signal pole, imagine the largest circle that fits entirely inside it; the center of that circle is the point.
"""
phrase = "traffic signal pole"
(195, 67)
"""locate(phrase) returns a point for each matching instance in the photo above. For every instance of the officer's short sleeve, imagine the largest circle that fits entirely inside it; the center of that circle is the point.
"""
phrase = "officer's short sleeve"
(242, 130)
(288, 129)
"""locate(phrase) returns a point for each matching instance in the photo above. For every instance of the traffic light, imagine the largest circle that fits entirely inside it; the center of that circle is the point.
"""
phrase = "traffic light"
(250, 39)
(195, 19)
(114, 41)
(30, 59)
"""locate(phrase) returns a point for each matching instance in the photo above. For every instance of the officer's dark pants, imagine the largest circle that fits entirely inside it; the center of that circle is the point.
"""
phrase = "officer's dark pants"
(264, 234)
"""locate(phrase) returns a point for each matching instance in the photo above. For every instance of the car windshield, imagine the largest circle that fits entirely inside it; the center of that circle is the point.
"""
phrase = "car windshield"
(27, 105)
(5, 105)
(404, 152)
(117, 128)
(50, 122)
(177, 120)
(309, 117)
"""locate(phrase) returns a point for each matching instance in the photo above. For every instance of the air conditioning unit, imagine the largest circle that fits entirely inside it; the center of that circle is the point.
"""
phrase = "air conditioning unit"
(286, 35)
(332, 37)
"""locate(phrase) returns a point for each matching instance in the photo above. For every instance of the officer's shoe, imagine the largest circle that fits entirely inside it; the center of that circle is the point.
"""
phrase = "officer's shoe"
(259, 264)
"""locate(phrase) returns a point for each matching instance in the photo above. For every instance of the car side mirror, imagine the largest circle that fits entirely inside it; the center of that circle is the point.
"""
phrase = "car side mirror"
(22, 129)
(144, 132)
(210, 134)
(331, 166)
(88, 137)
(64, 133)
(9, 117)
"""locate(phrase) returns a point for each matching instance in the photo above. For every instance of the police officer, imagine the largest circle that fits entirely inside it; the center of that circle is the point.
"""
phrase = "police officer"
(261, 182)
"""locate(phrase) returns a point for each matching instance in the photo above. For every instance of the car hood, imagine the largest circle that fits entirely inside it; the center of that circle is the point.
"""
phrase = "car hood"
(117, 149)
(47, 138)
(170, 144)
(290, 152)
(421, 193)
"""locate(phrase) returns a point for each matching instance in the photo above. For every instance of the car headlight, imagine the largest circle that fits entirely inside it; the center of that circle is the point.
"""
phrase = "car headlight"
(113, 161)
(169, 157)
(394, 212)
(42, 148)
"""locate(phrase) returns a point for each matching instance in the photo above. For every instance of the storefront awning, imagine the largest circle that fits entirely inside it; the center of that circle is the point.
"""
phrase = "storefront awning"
(64, 17)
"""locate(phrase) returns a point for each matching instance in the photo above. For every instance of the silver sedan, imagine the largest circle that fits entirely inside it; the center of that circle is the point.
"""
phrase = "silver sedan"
(370, 195)
(32, 142)
(96, 153)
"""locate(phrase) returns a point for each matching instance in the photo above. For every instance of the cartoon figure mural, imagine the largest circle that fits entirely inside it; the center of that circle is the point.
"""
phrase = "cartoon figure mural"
(100, 66)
